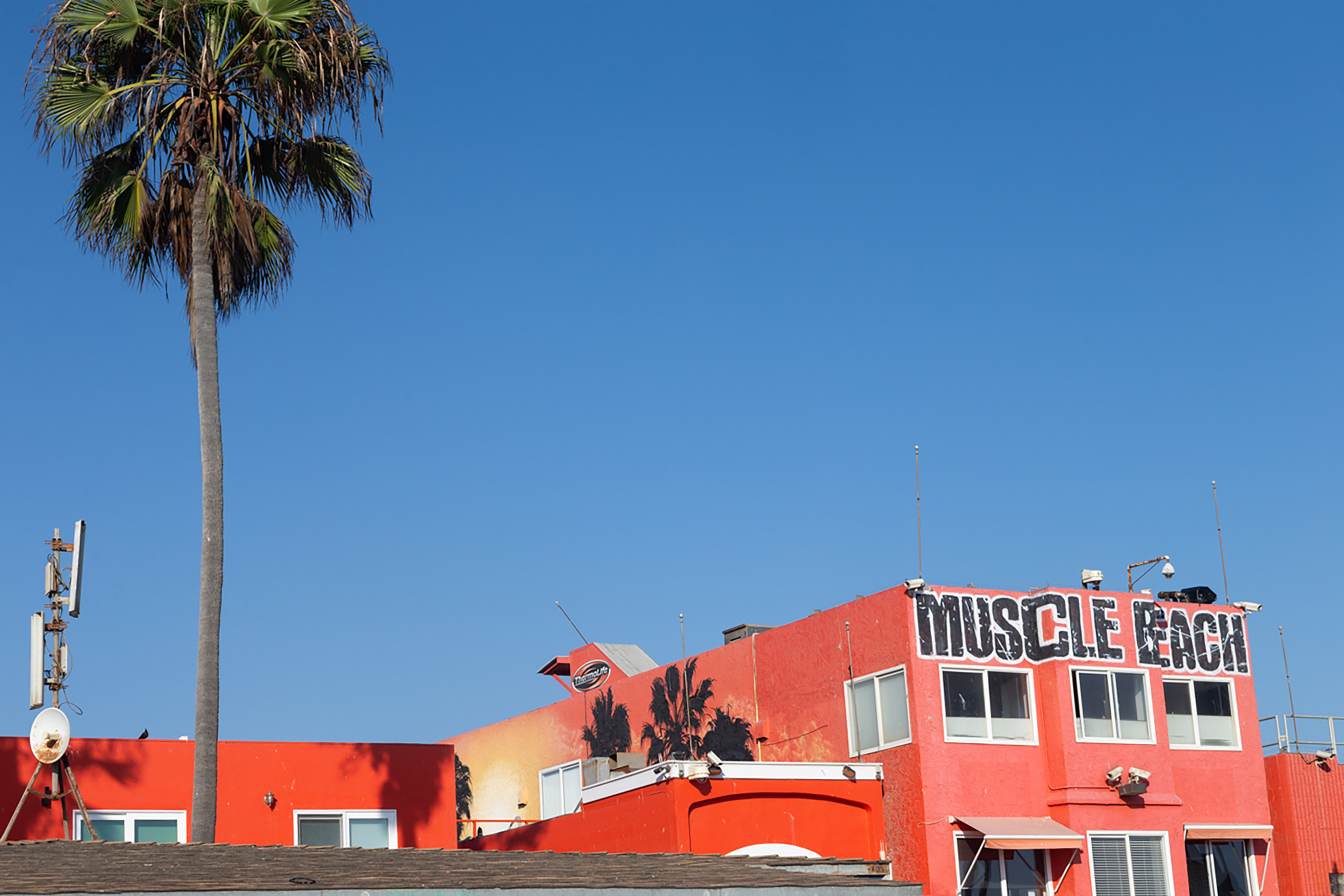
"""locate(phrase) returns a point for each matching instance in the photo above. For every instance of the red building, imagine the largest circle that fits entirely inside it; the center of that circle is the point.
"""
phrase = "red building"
(271, 794)
(1043, 743)
(1306, 802)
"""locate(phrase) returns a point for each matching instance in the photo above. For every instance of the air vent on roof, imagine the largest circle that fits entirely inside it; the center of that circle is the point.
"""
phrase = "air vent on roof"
(738, 632)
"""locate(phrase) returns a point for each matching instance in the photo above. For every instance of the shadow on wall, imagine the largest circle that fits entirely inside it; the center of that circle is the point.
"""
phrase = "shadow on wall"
(413, 776)
(94, 768)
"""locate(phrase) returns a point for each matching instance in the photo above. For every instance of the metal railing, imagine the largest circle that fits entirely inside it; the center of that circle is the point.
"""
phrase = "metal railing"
(1302, 733)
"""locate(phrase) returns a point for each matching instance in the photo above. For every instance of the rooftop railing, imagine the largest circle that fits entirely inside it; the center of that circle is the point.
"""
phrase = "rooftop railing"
(1301, 733)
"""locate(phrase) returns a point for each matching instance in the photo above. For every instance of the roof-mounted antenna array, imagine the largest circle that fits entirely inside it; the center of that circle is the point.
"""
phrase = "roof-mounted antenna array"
(48, 667)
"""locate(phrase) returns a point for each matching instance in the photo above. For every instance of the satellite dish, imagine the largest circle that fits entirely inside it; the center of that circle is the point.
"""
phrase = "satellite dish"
(50, 735)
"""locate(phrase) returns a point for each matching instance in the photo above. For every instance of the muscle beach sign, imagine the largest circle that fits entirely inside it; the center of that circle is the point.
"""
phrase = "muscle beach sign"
(1048, 626)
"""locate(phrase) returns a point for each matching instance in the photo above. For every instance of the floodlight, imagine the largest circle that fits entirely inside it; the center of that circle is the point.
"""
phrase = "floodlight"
(1168, 570)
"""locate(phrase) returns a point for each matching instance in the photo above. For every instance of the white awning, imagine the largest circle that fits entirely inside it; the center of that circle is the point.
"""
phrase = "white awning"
(1229, 831)
(1023, 833)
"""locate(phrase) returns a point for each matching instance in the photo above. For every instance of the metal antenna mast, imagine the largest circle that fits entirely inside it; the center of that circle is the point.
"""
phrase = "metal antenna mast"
(1222, 556)
(571, 623)
(686, 685)
(1288, 679)
(919, 528)
(50, 736)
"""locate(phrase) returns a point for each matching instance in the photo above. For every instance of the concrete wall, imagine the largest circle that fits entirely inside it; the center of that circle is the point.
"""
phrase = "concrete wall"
(416, 780)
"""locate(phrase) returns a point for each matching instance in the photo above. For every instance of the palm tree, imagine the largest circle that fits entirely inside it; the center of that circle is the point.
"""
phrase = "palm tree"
(189, 122)
(461, 790)
(677, 710)
(728, 737)
(610, 731)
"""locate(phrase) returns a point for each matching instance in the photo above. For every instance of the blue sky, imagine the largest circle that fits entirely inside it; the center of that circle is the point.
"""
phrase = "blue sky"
(654, 305)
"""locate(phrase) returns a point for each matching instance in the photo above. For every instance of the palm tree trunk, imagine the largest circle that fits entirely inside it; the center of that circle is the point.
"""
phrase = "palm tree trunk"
(204, 341)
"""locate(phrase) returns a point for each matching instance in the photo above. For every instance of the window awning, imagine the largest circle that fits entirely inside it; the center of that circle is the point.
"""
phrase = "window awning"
(1023, 833)
(1229, 831)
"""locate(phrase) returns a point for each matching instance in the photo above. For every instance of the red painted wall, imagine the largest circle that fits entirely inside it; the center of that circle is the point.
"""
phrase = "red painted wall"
(414, 779)
(839, 819)
(1307, 805)
(789, 683)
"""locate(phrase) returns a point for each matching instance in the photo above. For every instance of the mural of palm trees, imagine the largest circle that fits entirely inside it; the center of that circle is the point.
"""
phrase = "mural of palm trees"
(609, 732)
(677, 713)
(462, 780)
(729, 737)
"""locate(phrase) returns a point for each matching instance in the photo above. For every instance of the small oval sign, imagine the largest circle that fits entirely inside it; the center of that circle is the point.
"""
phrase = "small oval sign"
(590, 675)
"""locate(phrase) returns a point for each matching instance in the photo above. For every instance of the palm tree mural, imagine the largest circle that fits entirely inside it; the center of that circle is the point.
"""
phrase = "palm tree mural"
(677, 712)
(609, 732)
(462, 782)
(729, 737)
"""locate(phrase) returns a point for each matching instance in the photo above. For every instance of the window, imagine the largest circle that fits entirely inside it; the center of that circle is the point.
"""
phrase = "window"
(1002, 872)
(1110, 705)
(1201, 713)
(560, 786)
(134, 827)
(1129, 864)
(1219, 868)
(987, 704)
(368, 829)
(878, 710)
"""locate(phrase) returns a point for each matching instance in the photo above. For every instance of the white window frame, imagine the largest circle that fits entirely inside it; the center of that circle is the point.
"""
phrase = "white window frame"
(541, 788)
(1110, 673)
(346, 815)
(877, 695)
(128, 817)
(1252, 872)
(1129, 856)
(958, 836)
(1189, 681)
(989, 721)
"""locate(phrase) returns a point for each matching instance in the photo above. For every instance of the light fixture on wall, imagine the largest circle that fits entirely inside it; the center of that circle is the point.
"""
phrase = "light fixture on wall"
(269, 800)
(1167, 569)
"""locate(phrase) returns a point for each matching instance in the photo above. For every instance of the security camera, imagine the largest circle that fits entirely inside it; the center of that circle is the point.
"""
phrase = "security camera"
(1139, 774)
(1325, 755)
(713, 758)
(1167, 570)
(1091, 578)
(1114, 776)
(1248, 606)
(914, 585)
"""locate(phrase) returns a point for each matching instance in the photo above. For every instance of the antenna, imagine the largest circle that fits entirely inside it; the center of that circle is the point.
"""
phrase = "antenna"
(1222, 556)
(686, 685)
(76, 570)
(1288, 679)
(37, 635)
(50, 734)
(581, 635)
(919, 529)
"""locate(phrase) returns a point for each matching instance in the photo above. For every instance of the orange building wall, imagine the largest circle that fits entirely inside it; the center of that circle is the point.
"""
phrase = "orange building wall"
(831, 818)
(414, 779)
(1307, 805)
